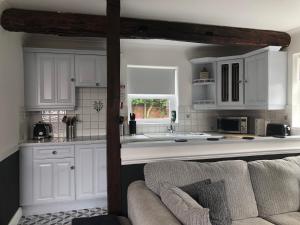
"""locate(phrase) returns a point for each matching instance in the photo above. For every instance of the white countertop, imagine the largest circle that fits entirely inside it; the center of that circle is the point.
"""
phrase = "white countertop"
(233, 146)
(62, 141)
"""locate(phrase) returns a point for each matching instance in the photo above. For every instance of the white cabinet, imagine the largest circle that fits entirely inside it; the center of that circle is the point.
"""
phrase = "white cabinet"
(90, 71)
(90, 171)
(53, 180)
(230, 83)
(49, 81)
(63, 173)
(256, 80)
(46, 79)
(51, 74)
(266, 80)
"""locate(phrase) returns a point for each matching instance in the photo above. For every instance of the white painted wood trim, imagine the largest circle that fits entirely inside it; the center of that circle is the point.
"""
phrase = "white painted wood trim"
(64, 51)
(9, 152)
(215, 59)
(16, 218)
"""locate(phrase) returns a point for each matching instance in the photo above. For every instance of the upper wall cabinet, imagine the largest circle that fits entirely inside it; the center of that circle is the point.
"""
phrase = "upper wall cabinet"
(90, 71)
(256, 80)
(49, 81)
(230, 83)
(51, 74)
(266, 80)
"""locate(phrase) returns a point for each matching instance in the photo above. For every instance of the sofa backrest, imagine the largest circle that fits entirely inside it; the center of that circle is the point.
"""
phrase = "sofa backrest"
(276, 185)
(239, 190)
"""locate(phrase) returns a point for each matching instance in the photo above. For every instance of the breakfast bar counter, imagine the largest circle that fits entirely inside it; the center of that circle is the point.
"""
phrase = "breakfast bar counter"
(144, 151)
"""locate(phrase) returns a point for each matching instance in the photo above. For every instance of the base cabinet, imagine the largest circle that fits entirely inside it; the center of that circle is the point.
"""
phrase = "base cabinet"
(90, 171)
(62, 173)
(53, 180)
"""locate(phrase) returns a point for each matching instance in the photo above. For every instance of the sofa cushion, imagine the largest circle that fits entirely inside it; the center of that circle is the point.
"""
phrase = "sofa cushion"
(240, 196)
(193, 189)
(213, 197)
(292, 218)
(251, 221)
(183, 206)
(275, 185)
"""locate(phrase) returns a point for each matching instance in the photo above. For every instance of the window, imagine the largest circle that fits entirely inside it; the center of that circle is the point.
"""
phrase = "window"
(152, 93)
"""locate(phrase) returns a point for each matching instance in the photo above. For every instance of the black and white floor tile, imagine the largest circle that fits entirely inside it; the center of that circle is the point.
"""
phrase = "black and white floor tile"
(60, 218)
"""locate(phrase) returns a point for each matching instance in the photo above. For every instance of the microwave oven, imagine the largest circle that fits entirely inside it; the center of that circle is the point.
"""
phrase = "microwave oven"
(234, 125)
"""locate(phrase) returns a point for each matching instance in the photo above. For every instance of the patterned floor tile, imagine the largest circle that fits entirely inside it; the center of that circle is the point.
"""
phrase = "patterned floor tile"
(61, 218)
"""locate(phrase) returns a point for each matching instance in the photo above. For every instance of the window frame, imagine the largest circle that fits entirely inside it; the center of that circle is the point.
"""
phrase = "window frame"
(173, 98)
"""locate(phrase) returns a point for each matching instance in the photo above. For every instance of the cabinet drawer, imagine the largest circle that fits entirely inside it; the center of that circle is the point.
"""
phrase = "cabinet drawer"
(53, 152)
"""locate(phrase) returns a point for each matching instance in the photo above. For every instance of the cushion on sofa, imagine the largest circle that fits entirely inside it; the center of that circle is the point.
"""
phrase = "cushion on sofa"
(292, 218)
(213, 197)
(240, 196)
(193, 189)
(275, 185)
(252, 221)
(183, 206)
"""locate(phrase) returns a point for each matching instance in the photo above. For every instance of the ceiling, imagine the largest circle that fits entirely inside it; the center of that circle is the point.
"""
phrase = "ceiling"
(261, 14)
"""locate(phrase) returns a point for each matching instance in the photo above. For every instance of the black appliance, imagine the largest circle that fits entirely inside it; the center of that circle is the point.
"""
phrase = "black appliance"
(132, 124)
(278, 129)
(235, 125)
(42, 130)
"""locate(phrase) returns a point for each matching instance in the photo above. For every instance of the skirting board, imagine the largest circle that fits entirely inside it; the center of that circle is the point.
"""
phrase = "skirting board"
(64, 206)
(16, 218)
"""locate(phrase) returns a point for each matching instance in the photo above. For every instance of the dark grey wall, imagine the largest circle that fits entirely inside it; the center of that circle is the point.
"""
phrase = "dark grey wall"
(9, 188)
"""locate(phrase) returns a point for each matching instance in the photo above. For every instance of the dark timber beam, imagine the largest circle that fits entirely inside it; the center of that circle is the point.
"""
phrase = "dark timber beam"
(68, 24)
(113, 107)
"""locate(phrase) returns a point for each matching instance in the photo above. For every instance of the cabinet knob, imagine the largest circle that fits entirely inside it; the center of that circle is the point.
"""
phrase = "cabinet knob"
(97, 84)
(72, 167)
(54, 152)
(245, 81)
(72, 79)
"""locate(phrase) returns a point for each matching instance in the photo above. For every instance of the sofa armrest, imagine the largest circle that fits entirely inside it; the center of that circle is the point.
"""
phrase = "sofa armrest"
(146, 208)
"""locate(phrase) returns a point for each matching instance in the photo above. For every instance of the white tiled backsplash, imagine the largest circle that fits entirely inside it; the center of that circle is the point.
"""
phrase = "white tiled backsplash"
(90, 122)
(93, 123)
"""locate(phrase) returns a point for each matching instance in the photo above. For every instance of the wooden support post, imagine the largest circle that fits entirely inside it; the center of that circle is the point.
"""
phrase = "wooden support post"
(113, 107)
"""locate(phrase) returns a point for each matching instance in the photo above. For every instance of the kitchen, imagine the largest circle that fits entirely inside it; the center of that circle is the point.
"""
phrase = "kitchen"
(63, 166)
(56, 168)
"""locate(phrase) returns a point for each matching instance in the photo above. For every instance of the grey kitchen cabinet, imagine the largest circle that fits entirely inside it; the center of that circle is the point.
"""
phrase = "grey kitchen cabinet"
(62, 173)
(230, 83)
(90, 70)
(266, 80)
(90, 171)
(49, 81)
(52, 74)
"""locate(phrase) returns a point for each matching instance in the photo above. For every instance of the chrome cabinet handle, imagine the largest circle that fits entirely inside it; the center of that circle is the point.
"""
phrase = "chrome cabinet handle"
(54, 152)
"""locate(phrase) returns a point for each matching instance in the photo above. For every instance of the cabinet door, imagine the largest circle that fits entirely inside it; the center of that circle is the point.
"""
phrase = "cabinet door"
(53, 180)
(256, 80)
(90, 171)
(43, 181)
(90, 71)
(64, 179)
(100, 177)
(46, 78)
(230, 83)
(65, 79)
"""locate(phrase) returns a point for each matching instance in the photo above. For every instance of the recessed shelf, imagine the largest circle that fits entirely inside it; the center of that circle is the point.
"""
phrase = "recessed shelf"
(204, 102)
(203, 81)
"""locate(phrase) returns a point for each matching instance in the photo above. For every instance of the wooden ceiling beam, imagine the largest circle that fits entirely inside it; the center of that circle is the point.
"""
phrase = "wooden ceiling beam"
(82, 25)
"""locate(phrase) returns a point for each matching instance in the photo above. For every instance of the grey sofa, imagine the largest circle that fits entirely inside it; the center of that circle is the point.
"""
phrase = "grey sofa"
(263, 192)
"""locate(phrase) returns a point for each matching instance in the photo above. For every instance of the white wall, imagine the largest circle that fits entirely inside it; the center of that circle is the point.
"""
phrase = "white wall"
(11, 89)
(294, 80)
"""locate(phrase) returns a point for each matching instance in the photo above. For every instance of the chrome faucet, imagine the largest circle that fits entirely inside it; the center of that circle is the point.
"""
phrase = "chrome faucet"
(171, 128)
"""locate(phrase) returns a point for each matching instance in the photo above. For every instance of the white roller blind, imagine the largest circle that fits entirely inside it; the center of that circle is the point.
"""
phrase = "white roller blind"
(141, 80)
